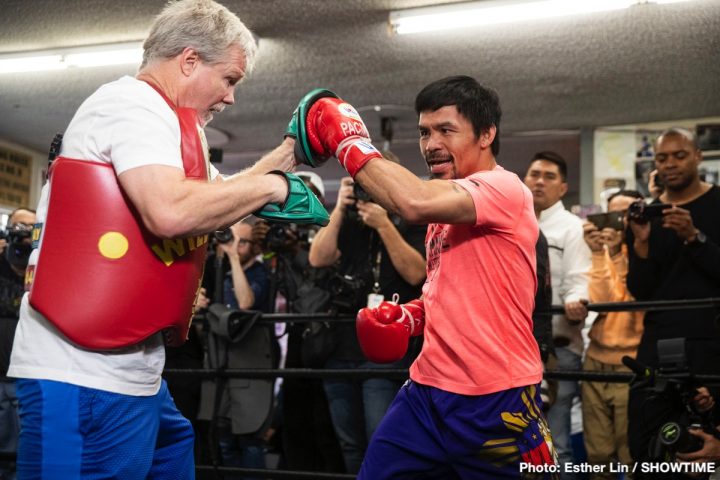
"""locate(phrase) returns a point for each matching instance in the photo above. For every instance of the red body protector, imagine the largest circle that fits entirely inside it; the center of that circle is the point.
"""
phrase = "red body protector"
(102, 278)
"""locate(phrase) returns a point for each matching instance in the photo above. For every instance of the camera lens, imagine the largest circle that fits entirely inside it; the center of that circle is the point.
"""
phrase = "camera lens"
(275, 238)
(224, 236)
(636, 212)
(676, 437)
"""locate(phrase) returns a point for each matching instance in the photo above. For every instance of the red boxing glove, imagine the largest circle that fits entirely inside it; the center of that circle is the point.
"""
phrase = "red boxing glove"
(334, 128)
(383, 332)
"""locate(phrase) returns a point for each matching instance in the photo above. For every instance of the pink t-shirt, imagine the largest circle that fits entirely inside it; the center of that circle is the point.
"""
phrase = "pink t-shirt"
(480, 293)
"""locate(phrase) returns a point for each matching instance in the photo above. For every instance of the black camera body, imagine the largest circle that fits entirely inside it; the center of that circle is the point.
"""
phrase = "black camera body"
(223, 236)
(279, 235)
(359, 193)
(347, 292)
(641, 212)
(612, 220)
(16, 234)
(18, 247)
(674, 382)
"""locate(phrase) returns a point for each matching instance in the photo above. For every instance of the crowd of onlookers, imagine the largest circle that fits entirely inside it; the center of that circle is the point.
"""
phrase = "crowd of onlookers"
(664, 247)
(366, 255)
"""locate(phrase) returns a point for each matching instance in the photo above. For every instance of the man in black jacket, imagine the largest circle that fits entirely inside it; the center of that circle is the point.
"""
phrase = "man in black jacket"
(378, 255)
(13, 263)
(675, 256)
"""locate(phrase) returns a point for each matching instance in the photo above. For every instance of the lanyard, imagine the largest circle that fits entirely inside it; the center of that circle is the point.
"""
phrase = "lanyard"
(376, 271)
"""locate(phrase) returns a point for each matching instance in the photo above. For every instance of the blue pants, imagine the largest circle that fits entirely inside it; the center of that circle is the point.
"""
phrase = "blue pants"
(70, 432)
(429, 433)
(357, 407)
(9, 427)
(558, 416)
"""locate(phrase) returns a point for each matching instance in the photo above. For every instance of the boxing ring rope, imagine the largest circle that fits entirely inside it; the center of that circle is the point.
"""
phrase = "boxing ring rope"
(395, 373)
(402, 374)
(649, 305)
(263, 473)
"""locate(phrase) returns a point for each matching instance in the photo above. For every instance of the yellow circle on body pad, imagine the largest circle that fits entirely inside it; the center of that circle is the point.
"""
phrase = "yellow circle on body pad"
(113, 245)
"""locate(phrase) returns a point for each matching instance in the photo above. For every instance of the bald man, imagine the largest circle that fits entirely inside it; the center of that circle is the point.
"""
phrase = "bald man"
(675, 256)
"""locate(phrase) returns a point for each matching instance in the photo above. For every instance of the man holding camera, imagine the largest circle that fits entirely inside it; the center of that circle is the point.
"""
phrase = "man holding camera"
(246, 285)
(379, 257)
(246, 416)
(13, 263)
(612, 336)
(308, 439)
(674, 255)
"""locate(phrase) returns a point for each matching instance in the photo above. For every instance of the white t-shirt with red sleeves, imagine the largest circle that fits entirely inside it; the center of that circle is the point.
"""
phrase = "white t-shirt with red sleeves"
(480, 291)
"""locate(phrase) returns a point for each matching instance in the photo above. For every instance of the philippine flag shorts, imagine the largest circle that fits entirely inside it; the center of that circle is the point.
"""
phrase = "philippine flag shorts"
(429, 433)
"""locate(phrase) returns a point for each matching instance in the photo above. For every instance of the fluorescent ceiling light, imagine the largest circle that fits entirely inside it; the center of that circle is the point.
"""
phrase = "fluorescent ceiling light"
(76, 57)
(31, 64)
(470, 14)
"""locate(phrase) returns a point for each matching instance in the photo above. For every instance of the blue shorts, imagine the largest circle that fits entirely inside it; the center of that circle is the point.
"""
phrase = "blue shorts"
(429, 433)
(70, 432)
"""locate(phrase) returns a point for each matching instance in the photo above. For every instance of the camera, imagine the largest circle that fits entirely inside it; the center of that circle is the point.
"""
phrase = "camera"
(360, 194)
(281, 235)
(19, 245)
(641, 212)
(673, 382)
(15, 234)
(347, 292)
(612, 220)
(277, 235)
(223, 236)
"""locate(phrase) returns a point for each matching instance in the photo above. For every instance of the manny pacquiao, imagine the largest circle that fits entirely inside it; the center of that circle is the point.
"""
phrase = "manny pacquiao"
(471, 408)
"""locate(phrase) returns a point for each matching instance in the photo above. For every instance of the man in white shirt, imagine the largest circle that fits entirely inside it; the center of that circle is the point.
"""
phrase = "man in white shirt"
(123, 228)
(569, 266)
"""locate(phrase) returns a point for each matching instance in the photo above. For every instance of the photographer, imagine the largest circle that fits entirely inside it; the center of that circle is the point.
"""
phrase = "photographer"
(674, 256)
(249, 402)
(13, 263)
(379, 256)
(246, 285)
(612, 336)
(302, 419)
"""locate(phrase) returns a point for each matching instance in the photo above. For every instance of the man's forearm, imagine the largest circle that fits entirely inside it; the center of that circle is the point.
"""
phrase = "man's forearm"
(172, 206)
(243, 293)
(324, 247)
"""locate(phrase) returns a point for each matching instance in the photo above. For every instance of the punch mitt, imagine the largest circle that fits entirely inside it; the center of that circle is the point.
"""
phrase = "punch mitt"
(297, 129)
(301, 206)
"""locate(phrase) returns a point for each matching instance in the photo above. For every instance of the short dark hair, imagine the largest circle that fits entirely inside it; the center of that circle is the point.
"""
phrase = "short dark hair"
(480, 105)
(555, 158)
(626, 193)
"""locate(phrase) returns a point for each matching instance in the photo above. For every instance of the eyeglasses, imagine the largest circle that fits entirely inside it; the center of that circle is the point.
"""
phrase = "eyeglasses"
(245, 241)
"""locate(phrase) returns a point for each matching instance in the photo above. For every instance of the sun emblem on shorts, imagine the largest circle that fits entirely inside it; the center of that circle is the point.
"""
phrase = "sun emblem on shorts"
(529, 439)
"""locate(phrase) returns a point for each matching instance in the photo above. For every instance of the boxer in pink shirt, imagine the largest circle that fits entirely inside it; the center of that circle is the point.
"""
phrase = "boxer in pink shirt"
(471, 408)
